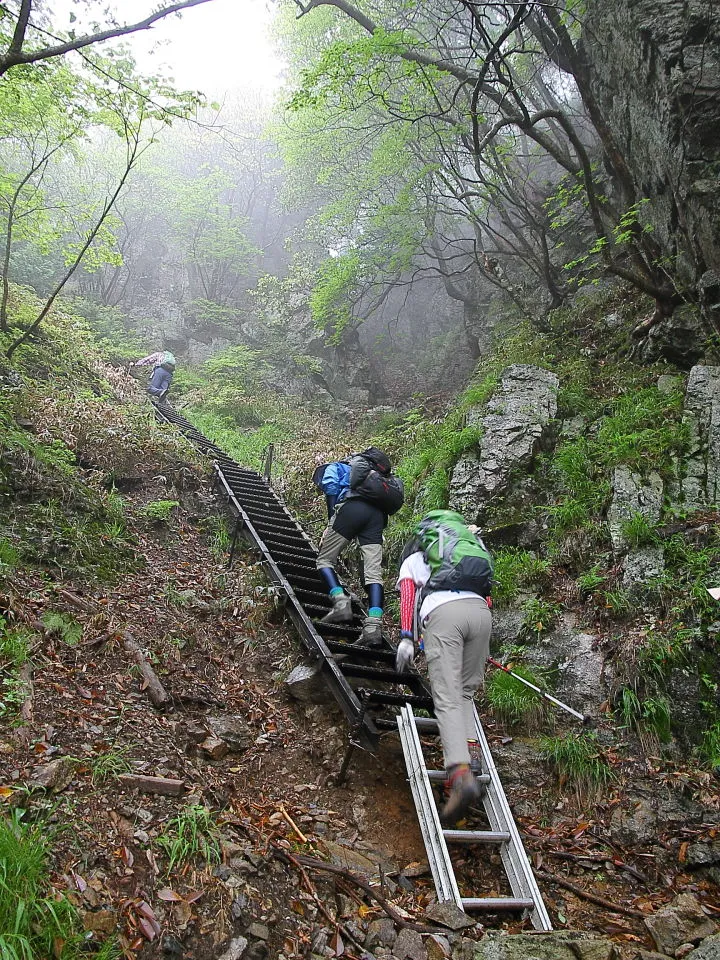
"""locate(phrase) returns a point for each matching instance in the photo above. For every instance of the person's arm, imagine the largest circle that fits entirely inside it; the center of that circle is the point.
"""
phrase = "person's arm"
(153, 358)
(408, 588)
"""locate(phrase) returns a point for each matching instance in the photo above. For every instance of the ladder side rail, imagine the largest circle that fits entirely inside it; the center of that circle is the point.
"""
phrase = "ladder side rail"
(344, 693)
(515, 860)
(427, 814)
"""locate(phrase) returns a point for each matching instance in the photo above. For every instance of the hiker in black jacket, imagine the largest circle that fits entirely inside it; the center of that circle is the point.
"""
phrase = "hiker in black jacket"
(361, 514)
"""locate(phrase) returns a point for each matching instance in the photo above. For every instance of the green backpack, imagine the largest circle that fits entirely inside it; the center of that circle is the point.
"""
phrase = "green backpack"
(458, 559)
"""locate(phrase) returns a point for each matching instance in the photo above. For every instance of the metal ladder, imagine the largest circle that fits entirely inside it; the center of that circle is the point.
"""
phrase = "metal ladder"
(503, 829)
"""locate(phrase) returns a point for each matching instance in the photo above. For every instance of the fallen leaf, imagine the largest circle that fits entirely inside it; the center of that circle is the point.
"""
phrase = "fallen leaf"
(148, 929)
(169, 895)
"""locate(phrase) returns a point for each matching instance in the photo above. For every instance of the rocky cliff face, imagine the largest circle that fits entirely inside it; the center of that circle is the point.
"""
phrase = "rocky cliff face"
(665, 61)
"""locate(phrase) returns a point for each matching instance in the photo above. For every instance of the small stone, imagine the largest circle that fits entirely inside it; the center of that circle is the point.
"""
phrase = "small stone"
(171, 947)
(233, 731)
(214, 747)
(449, 915)
(222, 872)
(419, 868)
(683, 950)
(238, 908)
(409, 946)
(56, 775)
(682, 921)
(256, 951)
(380, 933)
(438, 947)
(235, 949)
(259, 931)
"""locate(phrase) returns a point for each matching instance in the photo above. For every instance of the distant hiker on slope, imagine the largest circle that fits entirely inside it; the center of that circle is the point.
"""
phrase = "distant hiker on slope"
(164, 368)
(447, 573)
(360, 495)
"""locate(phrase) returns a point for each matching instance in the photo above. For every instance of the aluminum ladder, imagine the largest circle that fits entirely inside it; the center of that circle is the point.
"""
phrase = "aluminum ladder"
(503, 831)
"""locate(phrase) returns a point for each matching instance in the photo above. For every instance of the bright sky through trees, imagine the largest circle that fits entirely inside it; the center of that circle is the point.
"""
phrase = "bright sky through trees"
(216, 47)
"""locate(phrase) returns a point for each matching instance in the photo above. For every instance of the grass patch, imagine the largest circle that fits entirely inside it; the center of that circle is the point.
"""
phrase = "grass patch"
(515, 569)
(511, 701)
(193, 833)
(577, 759)
(648, 716)
(160, 511)
(36, 921)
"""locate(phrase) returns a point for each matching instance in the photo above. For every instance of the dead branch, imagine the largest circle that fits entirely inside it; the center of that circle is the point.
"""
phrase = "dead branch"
(315, 864)
(599, 901)
(341, 928)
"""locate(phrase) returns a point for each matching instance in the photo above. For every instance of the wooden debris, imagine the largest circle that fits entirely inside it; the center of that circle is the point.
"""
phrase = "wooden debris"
(162, 785)
(157, 694)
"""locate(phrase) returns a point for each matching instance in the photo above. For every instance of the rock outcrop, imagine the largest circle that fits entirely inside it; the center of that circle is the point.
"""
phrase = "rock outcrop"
(666, 61)
(514, 427)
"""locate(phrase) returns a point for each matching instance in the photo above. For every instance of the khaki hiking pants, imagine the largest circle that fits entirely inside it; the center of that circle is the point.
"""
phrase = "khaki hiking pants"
(332, 545)
(456, 637)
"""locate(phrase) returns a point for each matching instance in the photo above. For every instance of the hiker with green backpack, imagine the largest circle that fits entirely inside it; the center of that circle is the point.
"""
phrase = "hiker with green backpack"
(445, 581)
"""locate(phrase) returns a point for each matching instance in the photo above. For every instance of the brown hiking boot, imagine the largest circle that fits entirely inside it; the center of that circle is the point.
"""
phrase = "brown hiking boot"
(341, 610)
(464, 790)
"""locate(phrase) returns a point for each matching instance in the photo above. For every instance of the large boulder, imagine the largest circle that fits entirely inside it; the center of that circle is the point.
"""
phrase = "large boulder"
(701, 483)
(682, 921)
(559, 945)
(514, 427)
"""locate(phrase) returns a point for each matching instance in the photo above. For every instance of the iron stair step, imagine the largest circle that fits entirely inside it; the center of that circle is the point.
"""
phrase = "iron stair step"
(356, 649)
(282, 557)
(375, 673)
(467, 837)
(398, 699)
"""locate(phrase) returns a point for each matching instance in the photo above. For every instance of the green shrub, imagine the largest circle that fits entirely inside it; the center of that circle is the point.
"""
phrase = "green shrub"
(709, 749)
(540, 616)
(64, 626)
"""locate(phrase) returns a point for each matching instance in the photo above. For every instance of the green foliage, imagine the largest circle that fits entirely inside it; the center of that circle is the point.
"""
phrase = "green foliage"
(14, 645)
(160, 511)
(64, 626)
(577, 759)
(191, 834)
(591, 580)
(619, 602)
(511, 701)
(540, 616)
(709, 750)
(516, 569)
(639, 531)
(9, 556)
(35, 919)
(649, 716)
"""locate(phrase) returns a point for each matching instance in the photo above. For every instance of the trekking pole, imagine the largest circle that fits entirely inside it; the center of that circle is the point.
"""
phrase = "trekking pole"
(546, 696)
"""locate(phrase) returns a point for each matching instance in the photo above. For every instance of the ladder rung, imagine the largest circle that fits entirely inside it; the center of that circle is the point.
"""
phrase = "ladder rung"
(493, 904)
(476, 836)
(441, 775)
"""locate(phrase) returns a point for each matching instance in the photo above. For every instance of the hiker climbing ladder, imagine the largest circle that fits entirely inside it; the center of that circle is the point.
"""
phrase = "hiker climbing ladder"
(289, 556)
(503, 830)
